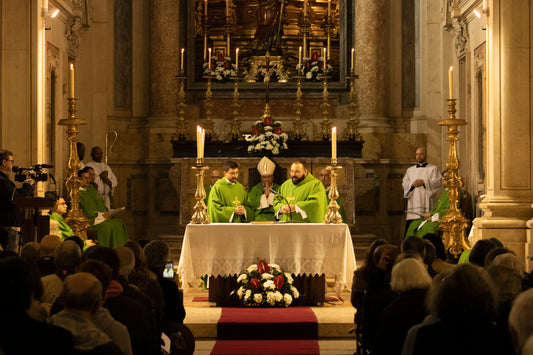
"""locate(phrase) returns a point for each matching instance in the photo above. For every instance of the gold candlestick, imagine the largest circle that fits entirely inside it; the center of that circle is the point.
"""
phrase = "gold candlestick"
(200, 215)
(298, 125)
(182, 106)
(333, 216)
(324, 107)
(352, 127)
(236, 134)
(454, 223)
(75, 217)
(208, 105)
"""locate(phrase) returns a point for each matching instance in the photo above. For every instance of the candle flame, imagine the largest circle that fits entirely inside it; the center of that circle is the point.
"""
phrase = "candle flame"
(451, 68)
(71, 66)
(334, 129)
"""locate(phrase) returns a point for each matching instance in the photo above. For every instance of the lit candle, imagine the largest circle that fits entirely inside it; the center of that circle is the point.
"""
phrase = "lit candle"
(181, 61)
(305, 8)
(450, 82)
(227, 8)
(237, 59)
(325, 66)
(72, 92)
(198, 141)
(353, 58)
(300, 57)
(334, 143)
(202, 146)
(205, 8)
(209, 58)
(329, 8)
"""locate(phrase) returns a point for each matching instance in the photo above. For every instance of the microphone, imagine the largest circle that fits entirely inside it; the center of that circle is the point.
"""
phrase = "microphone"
(41, 166)
(284, 198)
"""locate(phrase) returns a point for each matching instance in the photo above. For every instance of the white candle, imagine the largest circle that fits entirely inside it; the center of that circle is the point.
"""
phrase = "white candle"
(237, 59)
(209, 58)
(205, 8)
(334, 143)
(353, 58)
(450, 82)
(198, 141)
(227, 8)
(329, 8)
(325, 66)
(305, 8)
(72, 91)
(300, 57)
(181, 61)
(202, 146)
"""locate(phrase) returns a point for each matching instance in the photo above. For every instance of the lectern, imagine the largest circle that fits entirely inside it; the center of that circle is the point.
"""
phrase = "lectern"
(35, 226)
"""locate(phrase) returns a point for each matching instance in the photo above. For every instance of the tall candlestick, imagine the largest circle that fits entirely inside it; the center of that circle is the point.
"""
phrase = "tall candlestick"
(352, 61)
(237, 59)
(450, 82)
(329, 8)
(181, 59)
(300, 57)
(72, 91)
(325, 62)
(334, 143)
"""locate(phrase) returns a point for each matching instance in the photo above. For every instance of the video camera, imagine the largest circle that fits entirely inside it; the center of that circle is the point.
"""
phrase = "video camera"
(34, 172)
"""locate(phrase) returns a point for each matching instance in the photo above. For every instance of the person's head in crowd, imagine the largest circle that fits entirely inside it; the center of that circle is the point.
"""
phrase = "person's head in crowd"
(496, 242)
(509, 260)
(507, 283)
(127, 260)
(409, 254)
(215, 176)
(76, 240)
(479, 252)
(369, 258)
(527, 349)
(80, 147)
(409, 274)
(494, 253)
(17, 282)
(156, 253)
(31, 251)
(100, 270)
(49, 243)
(97, 154)
(82, 292)
(108, 256)
(465, 293)
(521, 319)
(138, 252)
(413, 243)
(430, 254)
(384, 256)
(6, 161)
(67, 258)
(438, 244)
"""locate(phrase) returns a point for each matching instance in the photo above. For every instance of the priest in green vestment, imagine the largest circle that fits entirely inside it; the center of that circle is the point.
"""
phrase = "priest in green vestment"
(261, 195)
(305, 195)
(228, 200)
(110, 230)
(429, 222)
(325, 178)
(56, 214)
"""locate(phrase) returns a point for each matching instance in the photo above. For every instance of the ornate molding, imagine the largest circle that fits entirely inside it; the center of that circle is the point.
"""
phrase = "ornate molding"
(461, 37)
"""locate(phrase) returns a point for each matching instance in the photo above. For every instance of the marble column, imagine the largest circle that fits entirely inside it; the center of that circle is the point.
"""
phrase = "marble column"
(370, 64)
(507, 208)
(164, 59)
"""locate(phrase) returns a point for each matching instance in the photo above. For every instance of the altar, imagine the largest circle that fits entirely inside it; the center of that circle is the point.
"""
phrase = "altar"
(224, 250)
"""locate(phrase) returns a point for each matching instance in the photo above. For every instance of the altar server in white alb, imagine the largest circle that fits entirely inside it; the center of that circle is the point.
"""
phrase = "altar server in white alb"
(105, 179)
(420, 184)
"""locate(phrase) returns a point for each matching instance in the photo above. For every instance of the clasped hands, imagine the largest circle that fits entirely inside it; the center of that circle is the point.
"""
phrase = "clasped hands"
(104, 178)
(287, 208)
(240, 210)
(418, 183)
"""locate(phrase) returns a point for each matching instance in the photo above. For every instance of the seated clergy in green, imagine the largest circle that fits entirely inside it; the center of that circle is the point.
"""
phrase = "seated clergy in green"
(261, 195)
(228, 201)
(429, 222)
(305, 195)
(110, 230)
(56, 219)
(325, 178)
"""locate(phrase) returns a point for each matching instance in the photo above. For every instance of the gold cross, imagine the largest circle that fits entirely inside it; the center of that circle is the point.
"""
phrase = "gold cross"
(236, 202)
(291, 198)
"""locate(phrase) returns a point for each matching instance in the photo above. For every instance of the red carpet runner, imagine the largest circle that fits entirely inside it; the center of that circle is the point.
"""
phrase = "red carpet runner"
(292, 330)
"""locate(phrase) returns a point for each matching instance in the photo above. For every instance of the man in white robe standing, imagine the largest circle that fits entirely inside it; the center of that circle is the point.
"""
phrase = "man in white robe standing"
(105, 180)
(420, 184)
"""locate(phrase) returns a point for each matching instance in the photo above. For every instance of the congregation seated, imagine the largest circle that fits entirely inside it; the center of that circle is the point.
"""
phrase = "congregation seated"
(47, 250)
(439, 264)
(521, 322)
(57, 222)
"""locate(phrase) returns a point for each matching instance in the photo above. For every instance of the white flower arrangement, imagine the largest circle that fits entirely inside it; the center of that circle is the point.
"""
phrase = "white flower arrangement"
(220, 68)
(267, 138)
(313, 68)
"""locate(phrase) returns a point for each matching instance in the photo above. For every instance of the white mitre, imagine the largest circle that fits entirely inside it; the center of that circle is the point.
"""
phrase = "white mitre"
(266, 166)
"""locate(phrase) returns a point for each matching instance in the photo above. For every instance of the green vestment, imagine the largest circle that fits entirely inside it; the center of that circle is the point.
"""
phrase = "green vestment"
(223, 199)
(309, 195)
(340, 202)
(64, 228)
(441, 207)
(111, 233)
(207, 189)
(264, 214)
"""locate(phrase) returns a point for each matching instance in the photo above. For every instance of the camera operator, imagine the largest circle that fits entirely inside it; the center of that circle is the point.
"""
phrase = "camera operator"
(10, 216)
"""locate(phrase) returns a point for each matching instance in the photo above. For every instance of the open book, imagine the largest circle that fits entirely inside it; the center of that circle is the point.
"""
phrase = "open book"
(100, 217)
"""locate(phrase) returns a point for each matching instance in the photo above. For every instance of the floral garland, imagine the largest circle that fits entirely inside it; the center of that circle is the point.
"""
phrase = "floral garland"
(267, 136)
(220, 67)
(265, 285)
(313, 69)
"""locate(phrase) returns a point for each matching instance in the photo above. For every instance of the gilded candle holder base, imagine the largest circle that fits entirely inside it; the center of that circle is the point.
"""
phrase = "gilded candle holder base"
(200, 215)
(333, 216)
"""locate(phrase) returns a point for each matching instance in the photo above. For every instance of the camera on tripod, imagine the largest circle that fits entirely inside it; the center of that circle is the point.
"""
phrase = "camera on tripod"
(34, 172)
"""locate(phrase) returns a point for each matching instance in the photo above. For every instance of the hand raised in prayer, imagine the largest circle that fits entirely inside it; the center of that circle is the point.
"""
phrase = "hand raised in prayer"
(239, 210)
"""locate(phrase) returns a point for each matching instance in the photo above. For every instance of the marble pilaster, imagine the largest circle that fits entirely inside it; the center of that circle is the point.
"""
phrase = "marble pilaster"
(370, 65)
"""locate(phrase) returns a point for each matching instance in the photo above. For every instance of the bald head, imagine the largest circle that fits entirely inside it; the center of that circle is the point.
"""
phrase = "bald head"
(82, 291)
(298, 172)
(421, 154)
(49, 243)
(325, 177)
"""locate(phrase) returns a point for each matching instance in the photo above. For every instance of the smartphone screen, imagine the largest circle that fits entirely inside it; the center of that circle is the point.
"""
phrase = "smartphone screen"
(168, 273)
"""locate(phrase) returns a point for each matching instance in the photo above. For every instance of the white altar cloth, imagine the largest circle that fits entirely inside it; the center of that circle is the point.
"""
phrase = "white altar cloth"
(301, 249)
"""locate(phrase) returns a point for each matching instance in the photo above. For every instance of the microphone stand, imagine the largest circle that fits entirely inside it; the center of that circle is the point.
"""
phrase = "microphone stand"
(284, 198)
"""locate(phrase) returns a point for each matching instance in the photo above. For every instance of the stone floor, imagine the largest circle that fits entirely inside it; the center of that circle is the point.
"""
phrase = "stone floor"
(335, 319)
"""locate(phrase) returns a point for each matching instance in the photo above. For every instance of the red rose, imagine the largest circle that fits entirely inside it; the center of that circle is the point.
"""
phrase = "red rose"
(279, 281)
(267, 121)
(256, 131)
(262, 267)
(255, 284)
(307, 65)
(226, 65)
(315, 56)
(278, 130)
(220, 58)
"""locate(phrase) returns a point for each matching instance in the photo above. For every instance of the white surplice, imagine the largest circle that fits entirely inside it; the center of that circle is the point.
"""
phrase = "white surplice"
(104, 190)
(421, 199)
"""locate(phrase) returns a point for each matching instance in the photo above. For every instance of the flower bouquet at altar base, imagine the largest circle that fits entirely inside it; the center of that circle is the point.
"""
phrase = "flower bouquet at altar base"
(265, 285)
(220, 67)
(267, 136)
(313, 68)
